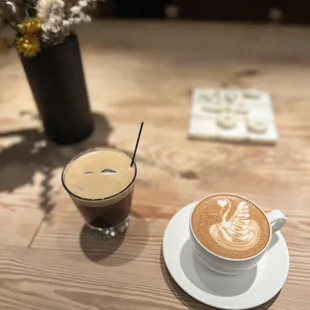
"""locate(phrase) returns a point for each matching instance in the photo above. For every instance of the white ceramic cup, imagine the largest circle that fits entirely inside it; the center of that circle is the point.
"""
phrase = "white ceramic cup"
(226, 265)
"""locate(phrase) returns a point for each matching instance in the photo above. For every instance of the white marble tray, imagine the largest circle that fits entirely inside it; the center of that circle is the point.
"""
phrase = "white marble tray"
(232, 115)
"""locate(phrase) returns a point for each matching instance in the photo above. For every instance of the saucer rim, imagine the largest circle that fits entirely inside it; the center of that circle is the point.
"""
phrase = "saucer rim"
(204, 301)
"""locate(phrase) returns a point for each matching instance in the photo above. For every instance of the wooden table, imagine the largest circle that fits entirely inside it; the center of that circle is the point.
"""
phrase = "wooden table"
(145, 72)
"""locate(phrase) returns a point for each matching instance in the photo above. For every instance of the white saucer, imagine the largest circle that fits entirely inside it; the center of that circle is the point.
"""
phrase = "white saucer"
(246, 290)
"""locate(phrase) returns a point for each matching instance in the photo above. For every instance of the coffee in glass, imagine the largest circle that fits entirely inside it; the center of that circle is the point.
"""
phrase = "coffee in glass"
(100, 182)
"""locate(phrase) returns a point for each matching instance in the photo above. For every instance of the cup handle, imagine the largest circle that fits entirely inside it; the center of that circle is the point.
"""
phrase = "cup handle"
(276, 219)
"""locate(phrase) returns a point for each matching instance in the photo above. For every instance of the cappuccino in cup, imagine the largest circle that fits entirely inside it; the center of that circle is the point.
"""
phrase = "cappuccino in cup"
(230, 233)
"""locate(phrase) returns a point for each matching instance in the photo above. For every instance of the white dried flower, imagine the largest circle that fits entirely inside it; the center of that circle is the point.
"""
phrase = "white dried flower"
(53, 24)
(66, 27)
(84, 17)
(76, 9)
(56, 24)
(52, 14)
(46, 7)
(12, 6)
(66, 23)
(87, 18)
(78, 18)
(83, 3)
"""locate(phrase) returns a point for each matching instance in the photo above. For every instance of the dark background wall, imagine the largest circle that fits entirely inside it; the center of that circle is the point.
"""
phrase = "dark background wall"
(286, 11)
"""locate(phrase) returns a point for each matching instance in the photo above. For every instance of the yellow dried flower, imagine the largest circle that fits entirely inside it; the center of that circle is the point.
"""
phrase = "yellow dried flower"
(30, 26)
(28, 46)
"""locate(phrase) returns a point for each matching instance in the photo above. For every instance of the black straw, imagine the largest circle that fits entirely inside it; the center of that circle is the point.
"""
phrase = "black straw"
(137, 143)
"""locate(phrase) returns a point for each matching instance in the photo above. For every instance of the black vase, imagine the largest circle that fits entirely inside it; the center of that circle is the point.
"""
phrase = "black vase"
(58, 86)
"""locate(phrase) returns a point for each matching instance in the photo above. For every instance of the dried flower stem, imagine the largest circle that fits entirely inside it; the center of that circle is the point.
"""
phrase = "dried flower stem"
(10, 25)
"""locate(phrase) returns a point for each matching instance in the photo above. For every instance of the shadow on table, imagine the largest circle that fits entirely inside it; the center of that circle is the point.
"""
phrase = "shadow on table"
(20, 161)
(190, 302)
(116, 251)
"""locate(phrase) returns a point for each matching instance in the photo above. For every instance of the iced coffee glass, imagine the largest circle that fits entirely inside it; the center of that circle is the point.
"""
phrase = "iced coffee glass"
(100, 182)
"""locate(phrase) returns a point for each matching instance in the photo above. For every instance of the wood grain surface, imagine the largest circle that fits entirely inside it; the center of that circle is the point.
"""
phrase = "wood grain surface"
(145, 72)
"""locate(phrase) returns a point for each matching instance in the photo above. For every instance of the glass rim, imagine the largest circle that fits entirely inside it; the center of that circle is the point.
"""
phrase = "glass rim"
(96, 199)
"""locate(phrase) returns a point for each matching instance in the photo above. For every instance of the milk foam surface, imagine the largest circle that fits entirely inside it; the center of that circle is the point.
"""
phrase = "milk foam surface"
(99, 173)
(230, 226)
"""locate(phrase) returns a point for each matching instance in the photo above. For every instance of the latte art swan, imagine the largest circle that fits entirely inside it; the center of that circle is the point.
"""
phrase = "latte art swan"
(238, 233)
